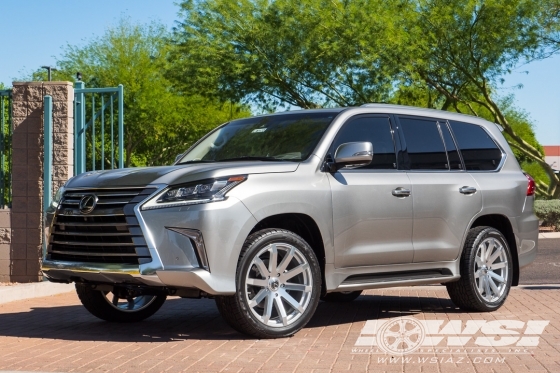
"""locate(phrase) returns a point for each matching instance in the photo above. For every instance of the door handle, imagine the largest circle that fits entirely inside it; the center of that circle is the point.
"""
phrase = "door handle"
(401, 192)
(467, 190)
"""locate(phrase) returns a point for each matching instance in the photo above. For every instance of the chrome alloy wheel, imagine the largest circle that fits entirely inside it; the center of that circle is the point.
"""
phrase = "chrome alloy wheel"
(129, 304)
(278, 285)
(491, 270)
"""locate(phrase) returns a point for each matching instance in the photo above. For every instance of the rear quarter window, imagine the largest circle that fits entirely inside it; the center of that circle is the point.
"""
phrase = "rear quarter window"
(480, 152)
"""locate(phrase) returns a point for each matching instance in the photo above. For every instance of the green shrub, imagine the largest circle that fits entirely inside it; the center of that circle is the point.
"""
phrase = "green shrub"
(549, 213)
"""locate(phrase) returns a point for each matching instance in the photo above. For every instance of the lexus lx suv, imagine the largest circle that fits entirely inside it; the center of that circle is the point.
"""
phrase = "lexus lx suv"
(270, 214)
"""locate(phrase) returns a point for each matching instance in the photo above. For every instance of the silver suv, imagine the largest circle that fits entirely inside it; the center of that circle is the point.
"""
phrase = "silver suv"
(270, 214)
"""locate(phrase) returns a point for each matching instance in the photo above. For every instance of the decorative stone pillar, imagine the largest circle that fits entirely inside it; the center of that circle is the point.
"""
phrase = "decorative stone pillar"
(27, 175)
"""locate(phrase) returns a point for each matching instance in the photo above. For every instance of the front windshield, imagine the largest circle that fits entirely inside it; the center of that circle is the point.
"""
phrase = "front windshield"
(282, 137)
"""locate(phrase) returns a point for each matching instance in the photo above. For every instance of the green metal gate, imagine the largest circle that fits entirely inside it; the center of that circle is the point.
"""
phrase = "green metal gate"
(5, 148)
(98, 128)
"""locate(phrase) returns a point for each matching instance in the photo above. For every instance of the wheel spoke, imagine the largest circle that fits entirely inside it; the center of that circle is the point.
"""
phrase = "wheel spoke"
(294, 272)
(495, 256)
(489, 250)
(273, 261)
(497, 277)
(268, 308)
(286, 260)
(130, 304)
(281, 310)
(487, 288)
(294, 303)
(493, 286)
(258, 298)
(477, 274)
(257, 282)
(481, 285)
(297, 287)
(115, 299)
(482, 248)
(261, 267)
(498, 265)
(478, 261)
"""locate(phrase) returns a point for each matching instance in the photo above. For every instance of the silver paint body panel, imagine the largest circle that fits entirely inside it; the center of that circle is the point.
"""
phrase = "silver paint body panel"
(364, 228)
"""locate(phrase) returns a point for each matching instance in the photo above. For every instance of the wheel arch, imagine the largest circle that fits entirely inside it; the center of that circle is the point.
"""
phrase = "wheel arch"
(503, 224)
(302, 225)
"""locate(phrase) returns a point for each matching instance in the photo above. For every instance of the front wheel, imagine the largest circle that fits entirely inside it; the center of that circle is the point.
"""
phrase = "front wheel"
(113, 307)
(278, 284)
(486, 271)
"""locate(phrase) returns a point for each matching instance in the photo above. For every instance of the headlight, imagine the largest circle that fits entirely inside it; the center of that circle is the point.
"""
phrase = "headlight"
(204, 191)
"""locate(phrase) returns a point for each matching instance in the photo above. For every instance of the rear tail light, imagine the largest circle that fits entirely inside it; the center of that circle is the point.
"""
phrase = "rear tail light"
(531, 186)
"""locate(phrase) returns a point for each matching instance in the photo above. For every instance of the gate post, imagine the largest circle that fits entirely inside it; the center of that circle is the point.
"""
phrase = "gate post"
(27, 175)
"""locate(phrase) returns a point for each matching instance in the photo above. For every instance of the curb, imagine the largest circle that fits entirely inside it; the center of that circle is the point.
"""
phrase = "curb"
(544, 236)
(11, 293)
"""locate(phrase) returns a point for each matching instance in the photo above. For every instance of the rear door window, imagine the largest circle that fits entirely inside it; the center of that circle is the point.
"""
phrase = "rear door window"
(424, 144)
(480, 152)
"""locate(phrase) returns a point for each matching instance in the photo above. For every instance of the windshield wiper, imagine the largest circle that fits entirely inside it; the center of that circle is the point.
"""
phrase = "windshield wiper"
(195, 161)
(249, 158)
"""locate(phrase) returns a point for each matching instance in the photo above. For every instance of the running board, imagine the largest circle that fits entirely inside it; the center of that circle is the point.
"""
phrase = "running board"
(390, 279)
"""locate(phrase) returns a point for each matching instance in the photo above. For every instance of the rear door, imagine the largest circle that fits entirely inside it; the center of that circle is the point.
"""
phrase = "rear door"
(446, 197)
(371, 225)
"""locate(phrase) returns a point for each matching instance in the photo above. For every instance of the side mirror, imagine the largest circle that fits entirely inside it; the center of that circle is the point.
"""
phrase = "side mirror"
(353, 154)
(177, 157)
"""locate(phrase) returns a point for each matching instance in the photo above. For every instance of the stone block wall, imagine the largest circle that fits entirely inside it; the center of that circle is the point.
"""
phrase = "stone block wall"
(26, 221)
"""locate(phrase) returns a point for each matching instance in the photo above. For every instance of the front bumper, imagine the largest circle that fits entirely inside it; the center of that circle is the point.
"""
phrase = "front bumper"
(177, 261)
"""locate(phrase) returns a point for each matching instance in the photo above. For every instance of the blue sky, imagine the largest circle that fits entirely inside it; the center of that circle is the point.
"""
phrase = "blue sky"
(33, 32)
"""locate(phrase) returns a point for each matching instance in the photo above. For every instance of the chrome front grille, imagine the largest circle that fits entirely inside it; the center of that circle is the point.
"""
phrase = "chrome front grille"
(110, 233)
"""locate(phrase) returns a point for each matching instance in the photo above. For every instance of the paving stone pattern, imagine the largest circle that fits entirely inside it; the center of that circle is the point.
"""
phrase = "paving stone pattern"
(56, 334)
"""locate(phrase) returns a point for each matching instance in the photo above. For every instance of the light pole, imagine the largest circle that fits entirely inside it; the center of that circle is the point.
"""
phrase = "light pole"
(49, 69)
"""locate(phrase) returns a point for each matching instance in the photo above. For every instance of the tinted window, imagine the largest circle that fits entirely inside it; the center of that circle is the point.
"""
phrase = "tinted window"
(452, 153)
(280, 137)
(424, 144)
(479, 151)
(376, 130)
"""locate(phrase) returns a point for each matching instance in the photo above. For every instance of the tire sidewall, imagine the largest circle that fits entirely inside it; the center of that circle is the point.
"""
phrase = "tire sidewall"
(244, 265)
(487, 233)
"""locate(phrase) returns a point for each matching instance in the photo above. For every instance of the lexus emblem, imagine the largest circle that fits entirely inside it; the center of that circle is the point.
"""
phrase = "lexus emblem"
(88, 203)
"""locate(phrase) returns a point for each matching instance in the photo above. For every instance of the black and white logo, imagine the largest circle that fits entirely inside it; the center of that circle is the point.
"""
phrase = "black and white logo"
(88, 203)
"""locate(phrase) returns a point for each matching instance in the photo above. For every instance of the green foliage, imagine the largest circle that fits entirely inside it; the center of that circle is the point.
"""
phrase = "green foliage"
(159, 122)
(442, 54)
(549, 213)
(308, 53)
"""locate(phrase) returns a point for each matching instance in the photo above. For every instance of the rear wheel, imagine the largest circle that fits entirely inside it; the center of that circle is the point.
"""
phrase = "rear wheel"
(343, 296)
(486, 271)
(115, 307)
(278, 283)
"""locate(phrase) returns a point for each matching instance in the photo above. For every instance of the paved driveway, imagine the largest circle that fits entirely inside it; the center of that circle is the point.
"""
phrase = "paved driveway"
(56, 334)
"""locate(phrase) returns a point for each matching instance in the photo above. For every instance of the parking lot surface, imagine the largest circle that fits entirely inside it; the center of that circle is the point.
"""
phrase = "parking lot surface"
(56, 334)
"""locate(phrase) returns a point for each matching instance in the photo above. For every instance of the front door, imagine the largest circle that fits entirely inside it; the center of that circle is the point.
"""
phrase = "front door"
(372, 214)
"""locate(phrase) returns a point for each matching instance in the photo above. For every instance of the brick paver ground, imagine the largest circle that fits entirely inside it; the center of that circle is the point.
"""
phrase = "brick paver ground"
(56, 334)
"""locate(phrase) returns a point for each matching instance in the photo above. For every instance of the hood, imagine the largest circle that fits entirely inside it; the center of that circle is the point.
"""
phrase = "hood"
(178, 174)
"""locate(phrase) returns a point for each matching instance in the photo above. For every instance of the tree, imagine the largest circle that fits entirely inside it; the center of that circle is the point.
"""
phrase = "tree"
(444, 54)
(159, 122)
(464, 50)
(309, 53)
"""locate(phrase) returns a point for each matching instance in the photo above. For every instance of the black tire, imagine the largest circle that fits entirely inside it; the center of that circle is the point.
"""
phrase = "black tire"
(346, 296)
(96, 303)
(464, 293)
(236, 310)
